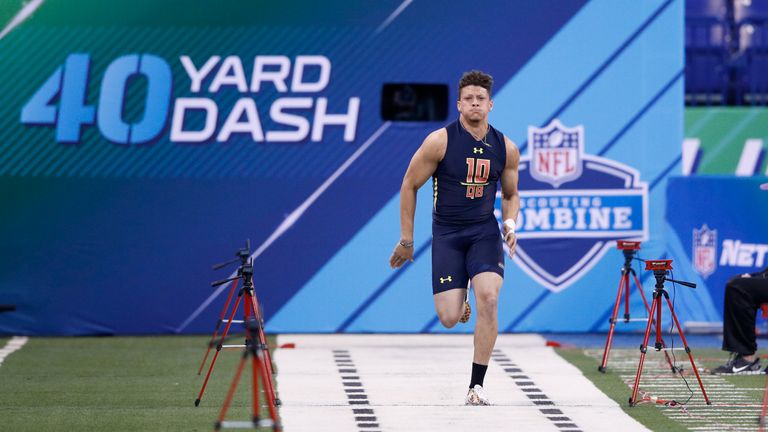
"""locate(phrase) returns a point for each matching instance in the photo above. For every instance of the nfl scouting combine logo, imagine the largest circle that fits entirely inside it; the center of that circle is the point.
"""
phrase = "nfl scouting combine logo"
(704, 250)
(573, 206)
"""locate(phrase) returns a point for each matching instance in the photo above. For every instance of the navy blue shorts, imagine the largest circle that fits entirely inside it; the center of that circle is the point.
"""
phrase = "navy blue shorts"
(461, 252)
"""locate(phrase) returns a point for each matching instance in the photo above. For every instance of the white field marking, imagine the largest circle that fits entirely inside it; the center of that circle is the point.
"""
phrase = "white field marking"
(13, 345)
(393, 15)
(418, 383)
(730, 404)
(662, 383)
(718, 417)
(691, 148)
(714, 428)
(749, 157)
(23, 14)
(719, 429)
(729, 411)
(292, 218)
(724, 414)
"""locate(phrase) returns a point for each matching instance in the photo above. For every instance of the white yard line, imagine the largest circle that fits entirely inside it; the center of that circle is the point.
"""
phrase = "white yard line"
(13, 345)
(418, 383)
(731, 409)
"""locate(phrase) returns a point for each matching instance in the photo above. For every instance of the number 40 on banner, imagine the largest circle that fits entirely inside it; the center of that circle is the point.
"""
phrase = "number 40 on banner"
(69, 83)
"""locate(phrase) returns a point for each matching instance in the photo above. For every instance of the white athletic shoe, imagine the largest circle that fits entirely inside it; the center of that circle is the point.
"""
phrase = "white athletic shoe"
(476, 396)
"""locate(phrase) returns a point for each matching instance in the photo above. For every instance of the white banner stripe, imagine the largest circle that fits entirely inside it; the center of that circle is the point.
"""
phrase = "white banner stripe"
(393, 15)
(23, 14)
(289, 221)
(750, 155)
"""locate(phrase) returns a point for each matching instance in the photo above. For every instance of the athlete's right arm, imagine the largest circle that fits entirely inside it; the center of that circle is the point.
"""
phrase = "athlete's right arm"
(422, 166)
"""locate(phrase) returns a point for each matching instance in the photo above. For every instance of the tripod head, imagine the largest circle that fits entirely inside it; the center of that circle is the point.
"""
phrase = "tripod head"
(629, 249)
(627, 245)
(660, 270)
(241, 255)
(245, 273)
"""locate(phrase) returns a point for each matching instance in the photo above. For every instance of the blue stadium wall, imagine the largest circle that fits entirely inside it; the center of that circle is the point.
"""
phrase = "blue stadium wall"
(116, 201)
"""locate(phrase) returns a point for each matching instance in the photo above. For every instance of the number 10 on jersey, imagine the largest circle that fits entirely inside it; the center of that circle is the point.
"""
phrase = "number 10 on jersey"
(477, 176)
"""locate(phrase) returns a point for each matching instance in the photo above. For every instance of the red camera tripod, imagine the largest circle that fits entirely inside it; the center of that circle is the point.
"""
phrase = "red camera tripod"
(629, 249)
(660, 269)
(242, 256)
(255, 336)
(260, 369)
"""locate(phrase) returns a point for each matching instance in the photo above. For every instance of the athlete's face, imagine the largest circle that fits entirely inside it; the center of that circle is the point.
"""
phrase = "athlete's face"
(474, 103)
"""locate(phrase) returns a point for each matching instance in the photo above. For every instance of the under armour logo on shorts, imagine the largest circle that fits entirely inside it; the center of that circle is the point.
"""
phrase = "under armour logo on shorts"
(448, 279)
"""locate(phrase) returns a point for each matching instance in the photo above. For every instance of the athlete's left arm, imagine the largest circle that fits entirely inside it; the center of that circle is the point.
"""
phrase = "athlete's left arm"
(510, 199)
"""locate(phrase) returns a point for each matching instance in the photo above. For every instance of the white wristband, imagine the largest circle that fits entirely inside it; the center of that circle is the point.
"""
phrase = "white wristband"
(510, 224)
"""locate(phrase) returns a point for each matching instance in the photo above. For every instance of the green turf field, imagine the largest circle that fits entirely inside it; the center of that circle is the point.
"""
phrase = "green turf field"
(116, 384)
(150, 384)
(725, 413)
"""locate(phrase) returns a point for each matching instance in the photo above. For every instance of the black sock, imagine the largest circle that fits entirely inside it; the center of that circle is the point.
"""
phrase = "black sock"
(478, 374)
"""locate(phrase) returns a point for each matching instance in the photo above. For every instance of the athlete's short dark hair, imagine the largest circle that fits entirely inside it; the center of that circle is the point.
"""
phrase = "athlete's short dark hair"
(478, 78)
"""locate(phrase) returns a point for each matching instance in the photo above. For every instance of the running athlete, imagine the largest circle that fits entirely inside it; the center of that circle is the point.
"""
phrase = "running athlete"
(465, 159)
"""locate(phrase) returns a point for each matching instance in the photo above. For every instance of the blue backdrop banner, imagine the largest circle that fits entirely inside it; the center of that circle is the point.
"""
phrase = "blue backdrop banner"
(138, 150)
(717, 230)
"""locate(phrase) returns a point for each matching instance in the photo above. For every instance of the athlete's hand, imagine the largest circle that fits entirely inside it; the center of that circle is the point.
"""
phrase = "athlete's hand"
(511, 240)
(401, 254)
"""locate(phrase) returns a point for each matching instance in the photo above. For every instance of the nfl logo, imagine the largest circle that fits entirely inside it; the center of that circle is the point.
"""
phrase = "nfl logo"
(704, 250)
(556, 152)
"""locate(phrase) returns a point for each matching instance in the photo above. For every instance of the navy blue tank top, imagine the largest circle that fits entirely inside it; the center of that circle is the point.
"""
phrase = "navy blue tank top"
(465, 181)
